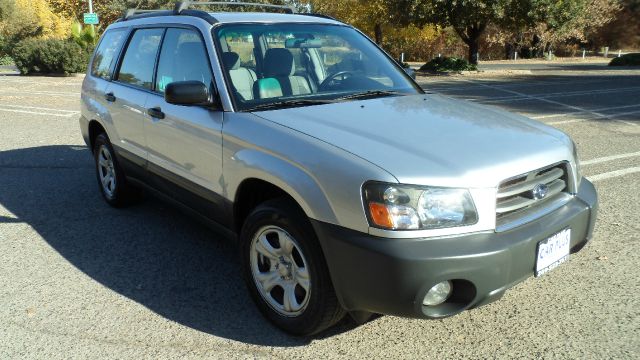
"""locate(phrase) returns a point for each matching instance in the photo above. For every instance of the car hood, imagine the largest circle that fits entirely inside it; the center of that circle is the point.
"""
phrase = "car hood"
(431, 139)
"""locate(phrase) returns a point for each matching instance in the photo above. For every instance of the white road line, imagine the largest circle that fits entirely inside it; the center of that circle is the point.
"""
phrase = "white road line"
(627, 122)
(525, 96)
(609, 158)
(580, 112)
(613, 174)
(30, 82)
(598, 116)
(558, 94)
(535, 97)
(37, 112)
(566, 121)
(508, 85)
(38, 108)
(30, 93)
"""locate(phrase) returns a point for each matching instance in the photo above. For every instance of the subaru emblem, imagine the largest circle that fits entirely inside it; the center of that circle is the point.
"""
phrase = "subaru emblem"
(540, 191)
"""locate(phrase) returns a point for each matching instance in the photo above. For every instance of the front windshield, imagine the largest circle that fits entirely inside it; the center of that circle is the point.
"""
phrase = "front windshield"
(284, 65)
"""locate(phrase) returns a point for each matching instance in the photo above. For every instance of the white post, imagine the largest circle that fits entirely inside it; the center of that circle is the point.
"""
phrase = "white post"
(402, 58)
(515, 56)
(619, 53)
(91, 12)
(606, 51)
(584, 53)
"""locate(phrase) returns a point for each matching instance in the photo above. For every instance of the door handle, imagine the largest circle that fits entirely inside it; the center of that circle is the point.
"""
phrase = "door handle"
(110, 97)
(156, 112)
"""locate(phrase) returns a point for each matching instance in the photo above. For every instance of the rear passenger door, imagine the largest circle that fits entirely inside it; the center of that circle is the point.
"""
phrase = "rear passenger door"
(185, 142)
(128, 93)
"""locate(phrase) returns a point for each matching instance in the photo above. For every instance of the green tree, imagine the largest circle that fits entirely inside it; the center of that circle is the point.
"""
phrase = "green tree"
(560, 21)
(370, 16)
(468, 18)
(547, 21)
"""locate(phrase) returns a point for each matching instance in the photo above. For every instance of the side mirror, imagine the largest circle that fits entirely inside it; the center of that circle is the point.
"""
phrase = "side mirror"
(410, 72)
(187, 93)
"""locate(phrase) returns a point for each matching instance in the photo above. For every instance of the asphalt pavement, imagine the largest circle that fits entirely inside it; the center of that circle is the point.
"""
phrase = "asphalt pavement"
(79, 279)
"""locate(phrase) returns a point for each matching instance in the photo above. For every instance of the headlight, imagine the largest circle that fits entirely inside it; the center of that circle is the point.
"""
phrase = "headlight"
(576, 159)
(406, 207)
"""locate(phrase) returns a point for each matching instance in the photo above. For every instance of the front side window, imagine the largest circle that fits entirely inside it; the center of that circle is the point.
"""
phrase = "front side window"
(183, 57)
(106, 52)
(140, 57)
(309, 62)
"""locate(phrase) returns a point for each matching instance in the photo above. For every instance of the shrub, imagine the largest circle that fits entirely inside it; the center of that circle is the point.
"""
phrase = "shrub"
(50, 56)
(5, 60)
(626, 60)
(448, 64)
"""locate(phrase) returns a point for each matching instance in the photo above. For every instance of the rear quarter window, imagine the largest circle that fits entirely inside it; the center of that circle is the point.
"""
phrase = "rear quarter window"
(107, 51)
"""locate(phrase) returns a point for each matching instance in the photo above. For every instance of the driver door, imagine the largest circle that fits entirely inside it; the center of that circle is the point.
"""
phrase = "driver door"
(185, 142)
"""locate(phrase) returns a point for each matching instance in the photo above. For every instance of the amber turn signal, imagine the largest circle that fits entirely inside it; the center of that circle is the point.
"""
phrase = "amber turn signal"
(380, 215)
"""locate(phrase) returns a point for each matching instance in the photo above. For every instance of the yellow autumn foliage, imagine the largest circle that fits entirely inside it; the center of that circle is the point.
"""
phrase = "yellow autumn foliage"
(34, 19)
(366, 15)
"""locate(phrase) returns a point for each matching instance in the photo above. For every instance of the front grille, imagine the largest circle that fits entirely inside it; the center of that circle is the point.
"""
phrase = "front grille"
(518, 193)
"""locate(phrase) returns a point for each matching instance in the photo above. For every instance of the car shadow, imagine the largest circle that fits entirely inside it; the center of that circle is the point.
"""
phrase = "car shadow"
(151, 253)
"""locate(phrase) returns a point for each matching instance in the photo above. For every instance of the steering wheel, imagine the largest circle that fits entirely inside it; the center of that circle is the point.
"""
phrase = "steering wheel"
(332, 78)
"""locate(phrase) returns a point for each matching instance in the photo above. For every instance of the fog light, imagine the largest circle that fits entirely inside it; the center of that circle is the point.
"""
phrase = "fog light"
(438, 294)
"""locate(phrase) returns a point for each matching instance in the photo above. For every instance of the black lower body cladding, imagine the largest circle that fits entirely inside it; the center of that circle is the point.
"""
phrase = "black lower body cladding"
(392, 276)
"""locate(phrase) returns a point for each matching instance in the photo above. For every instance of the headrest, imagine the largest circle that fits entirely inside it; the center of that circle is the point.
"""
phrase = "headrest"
(191, 50)
(231, 60)
(278, 62)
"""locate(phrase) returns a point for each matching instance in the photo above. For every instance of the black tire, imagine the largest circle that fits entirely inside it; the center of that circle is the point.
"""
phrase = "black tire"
(322, 306)
(122, 193)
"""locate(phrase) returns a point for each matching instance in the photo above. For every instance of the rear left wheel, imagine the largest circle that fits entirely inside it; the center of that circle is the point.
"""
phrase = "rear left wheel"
(111, 179)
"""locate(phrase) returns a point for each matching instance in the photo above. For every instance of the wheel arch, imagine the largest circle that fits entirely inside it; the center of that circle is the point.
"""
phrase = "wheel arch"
(95, 129)
(265, 177)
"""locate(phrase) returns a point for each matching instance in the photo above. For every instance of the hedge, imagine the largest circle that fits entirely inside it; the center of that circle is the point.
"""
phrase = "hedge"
(626, 60)
(49, 57)
(447, 64)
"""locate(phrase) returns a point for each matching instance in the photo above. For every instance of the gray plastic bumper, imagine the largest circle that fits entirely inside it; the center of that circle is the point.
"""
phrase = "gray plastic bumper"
(392, 276)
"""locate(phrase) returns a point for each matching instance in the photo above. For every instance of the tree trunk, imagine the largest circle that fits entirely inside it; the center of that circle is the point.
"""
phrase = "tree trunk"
(474, 46)
(378, 33)
(471, 36)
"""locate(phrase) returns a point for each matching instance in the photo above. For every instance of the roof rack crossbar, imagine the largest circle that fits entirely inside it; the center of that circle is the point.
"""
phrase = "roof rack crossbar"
(183, 5)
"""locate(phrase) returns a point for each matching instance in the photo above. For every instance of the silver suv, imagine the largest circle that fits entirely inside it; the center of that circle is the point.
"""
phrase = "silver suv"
(349, 189)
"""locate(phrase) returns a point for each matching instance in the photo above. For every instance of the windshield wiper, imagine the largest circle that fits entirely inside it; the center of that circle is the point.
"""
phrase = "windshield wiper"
(371, 94)
(289, 103)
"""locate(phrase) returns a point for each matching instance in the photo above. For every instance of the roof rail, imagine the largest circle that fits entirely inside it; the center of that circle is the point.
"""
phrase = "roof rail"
(184, 5)
(178, 10)
(323, 16)
(182, 8)
(129, 13)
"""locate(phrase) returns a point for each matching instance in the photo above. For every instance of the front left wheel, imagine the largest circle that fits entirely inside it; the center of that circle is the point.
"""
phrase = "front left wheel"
(285, 269)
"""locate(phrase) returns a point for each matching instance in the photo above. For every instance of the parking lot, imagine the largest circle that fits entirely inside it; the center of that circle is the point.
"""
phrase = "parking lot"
(79, 279)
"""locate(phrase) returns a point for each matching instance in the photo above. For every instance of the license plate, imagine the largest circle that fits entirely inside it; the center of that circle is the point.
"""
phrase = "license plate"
(552, 252)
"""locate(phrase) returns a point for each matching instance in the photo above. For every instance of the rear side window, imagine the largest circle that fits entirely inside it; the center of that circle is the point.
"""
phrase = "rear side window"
(183, 57)
(140, 57)
(106, 52)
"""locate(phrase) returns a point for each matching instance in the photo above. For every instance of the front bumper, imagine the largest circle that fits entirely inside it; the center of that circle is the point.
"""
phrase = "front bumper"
(392, 276)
